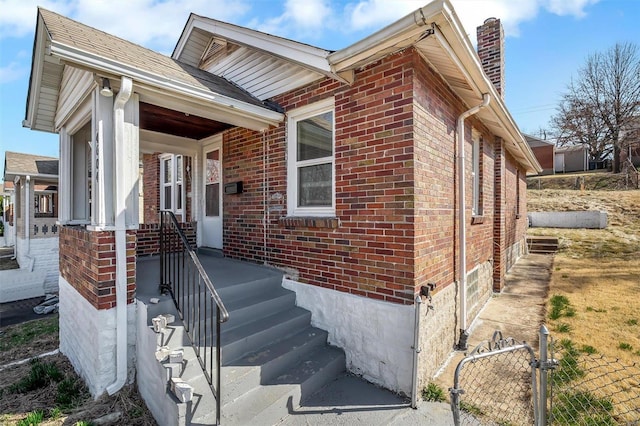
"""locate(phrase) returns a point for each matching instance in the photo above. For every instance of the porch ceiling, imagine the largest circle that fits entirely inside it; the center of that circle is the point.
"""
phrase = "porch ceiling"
(177, 123)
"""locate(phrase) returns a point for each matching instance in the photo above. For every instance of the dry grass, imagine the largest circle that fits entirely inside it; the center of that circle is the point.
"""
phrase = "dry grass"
(39, 336)
(597, 270)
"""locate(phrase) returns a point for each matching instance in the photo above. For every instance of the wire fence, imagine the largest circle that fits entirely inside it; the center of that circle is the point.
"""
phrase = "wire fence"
(502, 383)
(591, 389)
(493, 385)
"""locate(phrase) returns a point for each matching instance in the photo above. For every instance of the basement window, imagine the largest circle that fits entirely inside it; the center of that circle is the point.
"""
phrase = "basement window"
(311, 160)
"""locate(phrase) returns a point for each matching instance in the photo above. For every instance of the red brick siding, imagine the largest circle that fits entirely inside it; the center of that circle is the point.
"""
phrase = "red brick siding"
(499, 223)
(88, 264)
(148, 236)
(515, 225)
(371, 252)
(490, 37)
(151, 182)
(545, 156)
(436, 112)
(395, 187)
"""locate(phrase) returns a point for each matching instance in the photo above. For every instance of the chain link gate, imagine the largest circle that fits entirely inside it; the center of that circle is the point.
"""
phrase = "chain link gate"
(496, 384)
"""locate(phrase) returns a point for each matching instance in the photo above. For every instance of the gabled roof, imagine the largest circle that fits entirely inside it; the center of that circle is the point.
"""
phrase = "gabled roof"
(536, 142)
(438, 35)
(19, 164)
(61, 40)
(263, 64)
(571, 148)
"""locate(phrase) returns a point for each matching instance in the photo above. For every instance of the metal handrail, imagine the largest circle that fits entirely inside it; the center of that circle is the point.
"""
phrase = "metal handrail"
(182, 275)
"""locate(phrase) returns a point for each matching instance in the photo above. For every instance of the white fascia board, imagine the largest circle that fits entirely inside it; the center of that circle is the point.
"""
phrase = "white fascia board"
(152, 142)
(454, 40)
(184, 36)
(99, 63)
(302, 54)
(42, 176)
(411, 25)
(41, 38)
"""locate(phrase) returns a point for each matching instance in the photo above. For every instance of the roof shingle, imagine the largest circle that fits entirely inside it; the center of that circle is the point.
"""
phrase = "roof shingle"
(17, 163)
(74, 34)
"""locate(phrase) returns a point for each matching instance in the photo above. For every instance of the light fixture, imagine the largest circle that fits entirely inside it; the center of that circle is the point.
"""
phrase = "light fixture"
(106, 88)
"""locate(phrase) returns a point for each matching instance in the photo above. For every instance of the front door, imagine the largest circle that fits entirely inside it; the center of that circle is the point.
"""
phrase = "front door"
(212, 214)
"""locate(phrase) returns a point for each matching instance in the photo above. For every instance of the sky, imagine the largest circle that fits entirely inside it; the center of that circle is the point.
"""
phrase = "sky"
(546, 41)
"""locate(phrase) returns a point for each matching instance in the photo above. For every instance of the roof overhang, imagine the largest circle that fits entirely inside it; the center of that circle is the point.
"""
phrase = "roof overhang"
(50, 56)
(438, 35)
(263, 64)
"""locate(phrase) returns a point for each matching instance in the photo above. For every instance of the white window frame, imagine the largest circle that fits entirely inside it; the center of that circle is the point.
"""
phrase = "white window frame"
(38, 196)
(176, 182)
(294, 116)
(476, 158)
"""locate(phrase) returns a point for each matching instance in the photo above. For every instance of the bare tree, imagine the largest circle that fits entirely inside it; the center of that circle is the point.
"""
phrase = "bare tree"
(601, 103)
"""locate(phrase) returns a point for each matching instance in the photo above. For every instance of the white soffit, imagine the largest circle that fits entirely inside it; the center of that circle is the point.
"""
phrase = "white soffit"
(262, 64)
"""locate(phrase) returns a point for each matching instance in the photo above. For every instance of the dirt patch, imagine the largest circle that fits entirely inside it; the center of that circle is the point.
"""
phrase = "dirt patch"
(36, 337)
(7, 263)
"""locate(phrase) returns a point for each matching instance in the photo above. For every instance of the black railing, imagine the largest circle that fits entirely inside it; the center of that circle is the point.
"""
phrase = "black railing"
(195, 297)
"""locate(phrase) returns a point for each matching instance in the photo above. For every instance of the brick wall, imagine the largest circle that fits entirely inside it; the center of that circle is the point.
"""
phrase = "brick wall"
(151, 184)
(491, 52)
(395, 187)
(148, 237)
(88, 264)
(436, 113)
(499, 223)
(545, 156)
(514, 217)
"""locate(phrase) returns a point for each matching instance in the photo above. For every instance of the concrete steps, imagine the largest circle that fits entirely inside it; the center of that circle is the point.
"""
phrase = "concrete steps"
(542, 244)
(272, 357)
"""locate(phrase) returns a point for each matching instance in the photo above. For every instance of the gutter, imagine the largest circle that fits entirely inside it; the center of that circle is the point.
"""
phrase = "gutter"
(126, 88)
(462, 223)
(416, 352)
(401, 30)
(104, 65)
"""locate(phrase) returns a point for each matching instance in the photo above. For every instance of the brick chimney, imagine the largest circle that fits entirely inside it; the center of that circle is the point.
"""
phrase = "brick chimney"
(491, 52)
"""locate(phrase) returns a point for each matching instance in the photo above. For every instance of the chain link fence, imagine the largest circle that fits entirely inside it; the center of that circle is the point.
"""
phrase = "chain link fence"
(591, 389)
(493, 385)
(502, 383)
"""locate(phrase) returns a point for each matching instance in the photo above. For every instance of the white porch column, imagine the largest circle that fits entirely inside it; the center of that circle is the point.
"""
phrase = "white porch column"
(103, 169)
(64, 177)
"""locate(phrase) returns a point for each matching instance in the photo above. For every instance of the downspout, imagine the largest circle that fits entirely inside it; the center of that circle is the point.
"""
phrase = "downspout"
(462, 222)
(15, 217)
(27, 222)
(416, 352)
(126, 88)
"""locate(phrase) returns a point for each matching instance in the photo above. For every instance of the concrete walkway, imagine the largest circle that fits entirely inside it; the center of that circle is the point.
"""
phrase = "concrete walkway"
(518, 312)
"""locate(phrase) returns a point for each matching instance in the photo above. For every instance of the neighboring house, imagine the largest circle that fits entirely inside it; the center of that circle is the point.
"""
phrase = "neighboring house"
(630, 149)
(544, 152)
(571, 158)
(347, 162)
(31, 213)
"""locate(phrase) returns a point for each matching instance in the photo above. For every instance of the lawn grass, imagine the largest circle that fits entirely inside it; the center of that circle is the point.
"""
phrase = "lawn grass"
(593, 310)
(596, 272)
